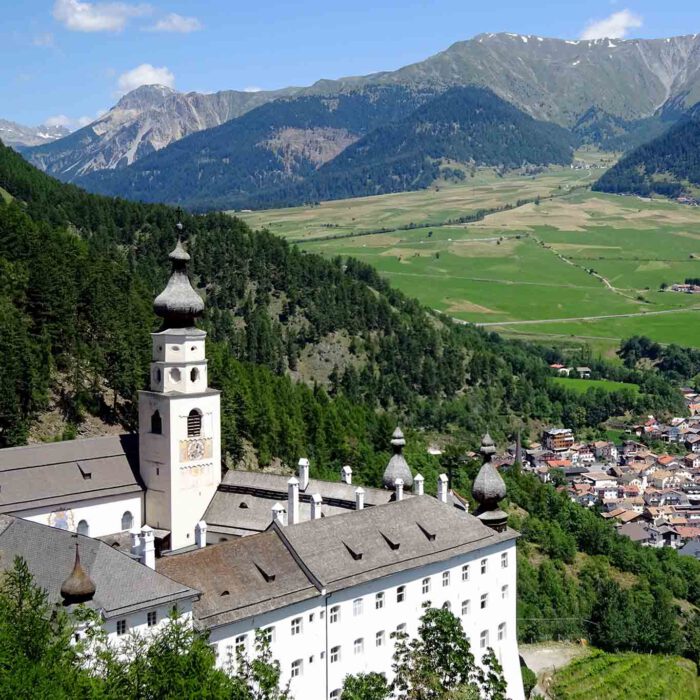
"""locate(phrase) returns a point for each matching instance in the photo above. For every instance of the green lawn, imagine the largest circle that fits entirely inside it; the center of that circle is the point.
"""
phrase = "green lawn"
(601, 676)
(582, 385)
(4, 194)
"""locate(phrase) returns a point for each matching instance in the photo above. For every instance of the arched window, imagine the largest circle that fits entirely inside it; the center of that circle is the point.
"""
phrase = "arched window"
(156, 423)
(194, 423)
(83, 528)
(194, 374)
(127, 520)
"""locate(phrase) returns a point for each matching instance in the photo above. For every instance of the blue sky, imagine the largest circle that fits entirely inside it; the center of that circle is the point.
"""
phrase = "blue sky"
(68, 60)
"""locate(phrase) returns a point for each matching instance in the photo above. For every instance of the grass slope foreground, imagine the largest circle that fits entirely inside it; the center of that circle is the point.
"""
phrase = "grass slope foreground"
(601, 676)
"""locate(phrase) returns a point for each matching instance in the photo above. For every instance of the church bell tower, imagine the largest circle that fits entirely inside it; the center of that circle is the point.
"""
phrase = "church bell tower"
(179, 417)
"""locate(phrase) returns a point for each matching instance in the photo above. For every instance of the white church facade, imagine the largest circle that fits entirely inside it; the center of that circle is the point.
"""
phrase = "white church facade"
(329, 570)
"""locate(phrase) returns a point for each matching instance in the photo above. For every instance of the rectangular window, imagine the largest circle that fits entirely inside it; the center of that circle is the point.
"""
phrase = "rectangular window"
(379, 601)
(501, 631)
(269, 634)
(401, 629)
(379, 638)
(504, 560)
(484, 639)
(335, 614)
(484, 600)
(357, 607)
(401, 594)
(121, 627)
(239, 644)
(215, 649)
(483, 566)
(359, 646)
(504, 592)
(465, 572)
(297, 668)
(425, 588)
(465, 607)
(335, 655)
(296, 626)
(445, 578)
(151, 618)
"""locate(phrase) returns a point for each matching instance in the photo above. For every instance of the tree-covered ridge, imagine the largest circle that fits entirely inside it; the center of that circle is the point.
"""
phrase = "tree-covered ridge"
(400, 137)
(668, 165)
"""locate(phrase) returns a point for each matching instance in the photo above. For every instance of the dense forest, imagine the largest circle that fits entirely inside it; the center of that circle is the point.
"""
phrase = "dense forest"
(668, 165)
(388, 139)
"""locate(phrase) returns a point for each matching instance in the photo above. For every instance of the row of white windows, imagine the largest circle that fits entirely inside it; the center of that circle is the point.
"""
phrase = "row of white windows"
(358, 647)
(151, 621)
(127, 523)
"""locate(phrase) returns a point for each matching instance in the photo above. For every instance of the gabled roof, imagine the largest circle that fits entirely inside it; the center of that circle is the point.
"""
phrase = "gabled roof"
(56, 473)
(122, 584)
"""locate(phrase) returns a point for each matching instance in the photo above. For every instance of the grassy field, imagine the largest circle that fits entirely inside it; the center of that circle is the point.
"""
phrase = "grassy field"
(601, 676)
(579, 267)
(582, 385)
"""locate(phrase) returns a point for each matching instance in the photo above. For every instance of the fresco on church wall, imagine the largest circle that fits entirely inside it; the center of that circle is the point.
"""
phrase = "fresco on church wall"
(62, 519)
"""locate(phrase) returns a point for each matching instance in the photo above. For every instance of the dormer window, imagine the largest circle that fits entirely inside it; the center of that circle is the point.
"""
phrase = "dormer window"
(194, 423)
(156, 423)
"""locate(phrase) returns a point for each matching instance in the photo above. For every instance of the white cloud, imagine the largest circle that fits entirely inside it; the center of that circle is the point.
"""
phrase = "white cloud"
(96, 17)
(71, 123)
(44, 40)
(252, 88)
(145, 74)
(616, 26)
(176, 23)
(59, 120)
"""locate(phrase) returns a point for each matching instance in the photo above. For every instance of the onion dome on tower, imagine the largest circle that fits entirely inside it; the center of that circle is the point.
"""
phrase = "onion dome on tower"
(78, 587)
(178, 304)
(398, 466)
(489, 488)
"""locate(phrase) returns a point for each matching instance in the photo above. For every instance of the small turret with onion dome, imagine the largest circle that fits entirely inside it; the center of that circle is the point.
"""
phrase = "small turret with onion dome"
(397, 468)
(178, 304)
(489, 488)
(78, 587)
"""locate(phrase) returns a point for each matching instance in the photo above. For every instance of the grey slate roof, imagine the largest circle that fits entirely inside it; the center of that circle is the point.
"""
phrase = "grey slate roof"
(691, 548)
(240, 578)
(390, 538)
(122, 584)
(56, 473)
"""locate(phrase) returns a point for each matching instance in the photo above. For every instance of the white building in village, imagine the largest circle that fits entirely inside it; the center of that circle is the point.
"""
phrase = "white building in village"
(329, 570)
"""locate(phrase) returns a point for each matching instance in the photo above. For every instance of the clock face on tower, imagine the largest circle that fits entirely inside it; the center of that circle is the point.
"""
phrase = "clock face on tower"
(195, 449)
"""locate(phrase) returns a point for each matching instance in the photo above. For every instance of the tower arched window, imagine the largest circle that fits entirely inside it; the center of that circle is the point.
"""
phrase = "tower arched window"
(194, 423)
(156, 423)
(127, 520)
(194, 374)
(83, 528)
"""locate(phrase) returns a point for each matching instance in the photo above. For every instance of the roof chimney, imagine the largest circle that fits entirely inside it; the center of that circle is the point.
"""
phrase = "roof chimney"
(135, 542)
(346, 474)
(293, 501)
(398, 485)
(419, 484)
(278, 514)
(359, 498)
(303, 473)
(316, 502)
(442, 488)
(148, 547)
(200, 534)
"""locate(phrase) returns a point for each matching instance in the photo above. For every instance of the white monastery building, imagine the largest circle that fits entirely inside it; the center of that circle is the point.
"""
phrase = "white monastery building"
(135, 525)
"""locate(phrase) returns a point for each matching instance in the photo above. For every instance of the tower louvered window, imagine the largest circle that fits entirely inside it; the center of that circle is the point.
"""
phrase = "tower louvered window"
(194, 423)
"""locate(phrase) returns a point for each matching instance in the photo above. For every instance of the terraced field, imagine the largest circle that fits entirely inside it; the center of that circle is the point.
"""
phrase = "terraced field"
(601, 676)
(575, 267)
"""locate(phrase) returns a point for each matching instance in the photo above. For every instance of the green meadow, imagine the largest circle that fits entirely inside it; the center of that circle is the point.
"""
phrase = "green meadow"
(575, 267)
(581, 386)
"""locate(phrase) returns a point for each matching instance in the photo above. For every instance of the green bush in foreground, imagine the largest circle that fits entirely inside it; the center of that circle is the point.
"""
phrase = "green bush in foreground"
(601, 676)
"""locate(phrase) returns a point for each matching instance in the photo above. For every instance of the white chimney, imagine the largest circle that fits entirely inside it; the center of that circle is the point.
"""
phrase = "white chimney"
(316, 502)
(359, 498)
(418, 485)
(135, 542)
(148, 547)
(200, 534)
(293, 501)
(303, 473)
(278, 514)
(346, 474)
(398, 483)
(442, 488)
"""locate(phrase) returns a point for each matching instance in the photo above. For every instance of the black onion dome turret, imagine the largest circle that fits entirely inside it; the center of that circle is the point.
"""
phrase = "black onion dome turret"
(78, 587)
(178, 304)
(397, 468)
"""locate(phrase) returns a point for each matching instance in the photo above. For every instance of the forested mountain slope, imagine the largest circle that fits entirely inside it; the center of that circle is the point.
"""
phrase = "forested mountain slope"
(668, 165)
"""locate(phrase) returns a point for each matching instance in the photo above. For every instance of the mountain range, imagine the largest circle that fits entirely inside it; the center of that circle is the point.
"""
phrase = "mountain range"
(612, 93)
(18, 135)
